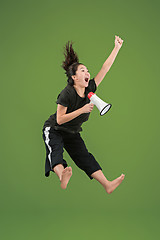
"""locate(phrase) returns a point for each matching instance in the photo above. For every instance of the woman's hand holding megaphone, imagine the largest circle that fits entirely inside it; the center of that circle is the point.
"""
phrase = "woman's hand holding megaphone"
(87, 108)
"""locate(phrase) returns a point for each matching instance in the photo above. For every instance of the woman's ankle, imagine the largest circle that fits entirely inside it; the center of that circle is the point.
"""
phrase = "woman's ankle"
(58, 169)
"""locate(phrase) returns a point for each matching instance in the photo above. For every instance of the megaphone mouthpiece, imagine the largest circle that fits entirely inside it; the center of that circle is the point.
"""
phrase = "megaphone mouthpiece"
(90, 94)
(102, 106)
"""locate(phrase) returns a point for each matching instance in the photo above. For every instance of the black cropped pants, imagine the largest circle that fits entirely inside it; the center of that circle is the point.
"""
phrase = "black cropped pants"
(56, 140)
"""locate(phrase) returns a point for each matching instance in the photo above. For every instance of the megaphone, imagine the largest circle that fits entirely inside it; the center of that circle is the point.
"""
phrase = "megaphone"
(102, 106)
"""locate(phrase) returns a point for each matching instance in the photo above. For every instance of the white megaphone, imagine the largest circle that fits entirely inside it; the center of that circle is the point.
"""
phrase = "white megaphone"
(102, 106)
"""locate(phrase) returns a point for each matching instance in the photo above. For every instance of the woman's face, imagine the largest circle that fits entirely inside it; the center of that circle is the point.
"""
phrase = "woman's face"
(82, 76)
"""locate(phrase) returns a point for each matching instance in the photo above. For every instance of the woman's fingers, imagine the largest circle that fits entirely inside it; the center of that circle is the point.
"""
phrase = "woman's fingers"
(119, 39)
(118, 42)
(91, 106)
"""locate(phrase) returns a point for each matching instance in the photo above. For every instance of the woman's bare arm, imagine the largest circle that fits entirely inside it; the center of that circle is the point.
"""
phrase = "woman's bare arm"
(63, 117)
(108, 63)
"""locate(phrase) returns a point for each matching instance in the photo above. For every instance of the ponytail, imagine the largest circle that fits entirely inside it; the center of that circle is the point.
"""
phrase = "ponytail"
(71, 62)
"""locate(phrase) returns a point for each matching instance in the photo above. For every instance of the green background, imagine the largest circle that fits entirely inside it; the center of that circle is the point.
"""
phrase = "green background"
(125, 140)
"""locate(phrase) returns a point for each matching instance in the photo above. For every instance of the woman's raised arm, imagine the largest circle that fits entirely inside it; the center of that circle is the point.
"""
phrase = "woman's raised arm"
(108, 63)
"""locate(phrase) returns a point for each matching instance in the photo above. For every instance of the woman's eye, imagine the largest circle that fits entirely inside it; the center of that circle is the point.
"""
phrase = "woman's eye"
(83, 71)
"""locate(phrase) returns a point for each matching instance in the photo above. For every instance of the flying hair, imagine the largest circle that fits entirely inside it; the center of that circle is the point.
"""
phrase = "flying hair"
(71, 62)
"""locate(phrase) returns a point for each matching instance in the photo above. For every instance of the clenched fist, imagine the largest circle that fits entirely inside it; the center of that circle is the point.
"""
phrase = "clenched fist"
(118, 42)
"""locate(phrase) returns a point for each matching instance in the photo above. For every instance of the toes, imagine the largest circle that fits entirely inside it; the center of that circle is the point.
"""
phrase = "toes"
(65, 170)
(70, 169)
(122, 177)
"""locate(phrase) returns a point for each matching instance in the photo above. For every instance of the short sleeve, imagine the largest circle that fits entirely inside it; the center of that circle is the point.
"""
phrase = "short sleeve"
(63, 98)
(92, 87)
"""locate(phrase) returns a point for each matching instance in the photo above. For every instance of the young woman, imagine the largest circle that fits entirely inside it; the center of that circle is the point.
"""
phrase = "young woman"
(62, 129)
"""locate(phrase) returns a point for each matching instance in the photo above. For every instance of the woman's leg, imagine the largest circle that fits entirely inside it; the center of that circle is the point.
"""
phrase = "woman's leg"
(64, 174)
(109, 186)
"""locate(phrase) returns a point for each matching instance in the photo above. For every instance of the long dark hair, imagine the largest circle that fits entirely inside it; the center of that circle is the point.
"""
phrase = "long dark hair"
(71, 62)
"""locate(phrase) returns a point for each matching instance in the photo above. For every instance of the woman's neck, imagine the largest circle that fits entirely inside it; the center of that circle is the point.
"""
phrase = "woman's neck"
(80, 90)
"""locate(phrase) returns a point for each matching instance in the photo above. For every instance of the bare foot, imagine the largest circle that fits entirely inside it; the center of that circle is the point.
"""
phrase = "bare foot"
(112, 185)
(66, 174)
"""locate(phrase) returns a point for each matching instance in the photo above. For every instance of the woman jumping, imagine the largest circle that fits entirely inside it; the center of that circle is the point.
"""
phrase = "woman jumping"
(62, 129)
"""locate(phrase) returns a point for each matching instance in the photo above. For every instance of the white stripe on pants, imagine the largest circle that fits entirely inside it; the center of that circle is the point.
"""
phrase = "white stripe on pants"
(46, 132)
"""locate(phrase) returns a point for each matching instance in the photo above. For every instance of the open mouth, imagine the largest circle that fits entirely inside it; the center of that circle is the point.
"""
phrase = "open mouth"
(86, 79)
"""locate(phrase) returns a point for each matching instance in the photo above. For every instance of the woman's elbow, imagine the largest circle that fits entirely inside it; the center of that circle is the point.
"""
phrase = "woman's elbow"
(61, 110)
(59, 120)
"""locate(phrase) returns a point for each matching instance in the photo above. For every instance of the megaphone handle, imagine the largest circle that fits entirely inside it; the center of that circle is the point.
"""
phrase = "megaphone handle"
(91, 102)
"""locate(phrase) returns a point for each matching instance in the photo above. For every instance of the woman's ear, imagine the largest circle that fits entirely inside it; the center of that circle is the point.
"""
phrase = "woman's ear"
(73, 77)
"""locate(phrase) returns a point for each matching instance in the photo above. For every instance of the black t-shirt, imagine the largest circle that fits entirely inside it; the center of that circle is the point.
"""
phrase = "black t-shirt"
(69, 98)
